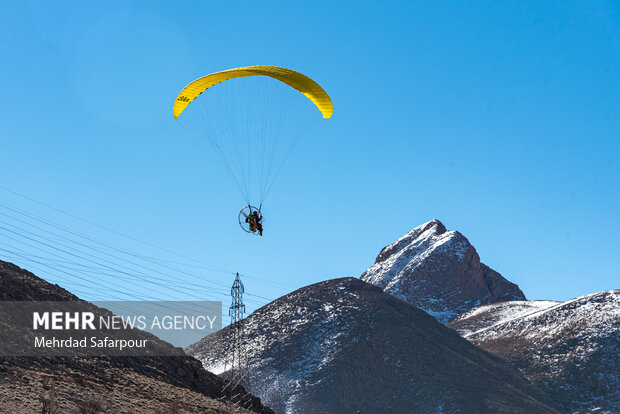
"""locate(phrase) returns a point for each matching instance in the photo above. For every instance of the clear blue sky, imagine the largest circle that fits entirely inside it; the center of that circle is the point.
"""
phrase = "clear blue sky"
(498, 118)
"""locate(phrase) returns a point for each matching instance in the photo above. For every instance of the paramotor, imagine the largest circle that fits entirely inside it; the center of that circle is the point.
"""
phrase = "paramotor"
(250, 126)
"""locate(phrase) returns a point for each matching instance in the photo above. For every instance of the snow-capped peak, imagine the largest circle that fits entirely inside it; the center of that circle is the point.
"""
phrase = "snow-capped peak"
(439, 271)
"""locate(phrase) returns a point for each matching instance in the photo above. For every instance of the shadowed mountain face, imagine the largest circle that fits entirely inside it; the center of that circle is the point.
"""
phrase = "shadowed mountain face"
(438, 271)
(126, 384)
(344, 345)
(571, 349)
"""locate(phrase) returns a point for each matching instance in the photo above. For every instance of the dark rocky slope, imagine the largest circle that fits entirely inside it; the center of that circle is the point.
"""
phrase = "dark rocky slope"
(127, 384)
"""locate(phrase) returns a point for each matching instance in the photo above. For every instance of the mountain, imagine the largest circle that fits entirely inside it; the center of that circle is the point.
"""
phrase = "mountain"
(344, 345)
(438, 271)
(571, 349)
(122, 384)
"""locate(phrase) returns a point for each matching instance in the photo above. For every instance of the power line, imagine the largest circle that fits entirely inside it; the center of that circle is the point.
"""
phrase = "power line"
(283, 286)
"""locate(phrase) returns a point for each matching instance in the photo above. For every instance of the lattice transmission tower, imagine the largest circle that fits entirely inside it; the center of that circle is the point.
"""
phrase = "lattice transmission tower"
(236, 312)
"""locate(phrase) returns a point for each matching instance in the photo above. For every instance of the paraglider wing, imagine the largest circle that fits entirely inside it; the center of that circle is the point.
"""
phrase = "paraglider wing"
(296, 80)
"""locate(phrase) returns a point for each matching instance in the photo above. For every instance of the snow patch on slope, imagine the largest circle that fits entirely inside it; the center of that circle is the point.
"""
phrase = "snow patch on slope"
(566, 316)
(497, 313)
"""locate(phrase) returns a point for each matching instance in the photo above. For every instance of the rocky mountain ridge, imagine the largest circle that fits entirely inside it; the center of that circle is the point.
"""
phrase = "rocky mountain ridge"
(568, 348)
(344, 345)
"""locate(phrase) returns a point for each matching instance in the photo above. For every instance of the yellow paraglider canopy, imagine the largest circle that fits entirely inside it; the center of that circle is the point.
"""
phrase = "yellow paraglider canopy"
(295, 80)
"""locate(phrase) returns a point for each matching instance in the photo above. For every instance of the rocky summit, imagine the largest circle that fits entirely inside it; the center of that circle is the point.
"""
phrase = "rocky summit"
(438, 271)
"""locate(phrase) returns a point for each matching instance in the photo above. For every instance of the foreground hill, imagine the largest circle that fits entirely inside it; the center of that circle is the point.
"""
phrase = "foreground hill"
(571, 349)
(438, 271)
(123, 384)
(344, 345)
